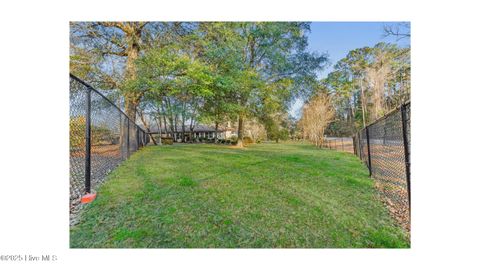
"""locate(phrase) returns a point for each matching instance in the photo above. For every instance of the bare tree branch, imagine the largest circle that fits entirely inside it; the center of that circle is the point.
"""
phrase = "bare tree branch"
(399, 30)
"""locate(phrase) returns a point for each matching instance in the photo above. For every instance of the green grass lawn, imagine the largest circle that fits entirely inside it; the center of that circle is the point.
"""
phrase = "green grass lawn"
(266, 195)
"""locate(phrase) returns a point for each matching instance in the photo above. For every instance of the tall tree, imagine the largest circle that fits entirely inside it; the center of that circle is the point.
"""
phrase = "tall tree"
(317, 113)
(399, 30)
(221, 54)
(374, 79)
(117, 41)
(106, 52)
(272, 53)
(175, 81)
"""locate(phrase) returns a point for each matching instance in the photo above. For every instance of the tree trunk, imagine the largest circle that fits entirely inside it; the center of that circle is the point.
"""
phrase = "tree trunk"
(123, 137)
(175, 125)
(183, 121)
(192, 119)
(158, 119)
(165, 125)
(240, 130)
(183, 128)
(192, 127)
(173, 121)
(362, 97)
(131, 99)
(133, 49)
(164, 120)
(216, 131)
(147, 127)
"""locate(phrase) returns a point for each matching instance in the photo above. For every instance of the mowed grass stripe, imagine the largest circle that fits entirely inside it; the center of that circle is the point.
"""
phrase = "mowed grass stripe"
(266, 195)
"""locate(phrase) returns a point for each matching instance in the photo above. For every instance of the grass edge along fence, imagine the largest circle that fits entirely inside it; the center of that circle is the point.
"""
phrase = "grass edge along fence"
(384, 147)
(344, 144)
(101, 137)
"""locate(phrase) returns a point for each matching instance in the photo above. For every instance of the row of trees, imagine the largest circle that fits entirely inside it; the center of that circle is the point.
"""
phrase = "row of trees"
(365, 85)
(175, 75)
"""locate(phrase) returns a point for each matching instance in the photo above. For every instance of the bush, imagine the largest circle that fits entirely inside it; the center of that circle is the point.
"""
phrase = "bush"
(247, 140)
(99, 134)
(167, 140)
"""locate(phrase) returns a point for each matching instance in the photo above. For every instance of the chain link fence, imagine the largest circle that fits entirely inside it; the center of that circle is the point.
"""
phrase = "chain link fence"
(344, 144)
(384, 147)
(101, 137)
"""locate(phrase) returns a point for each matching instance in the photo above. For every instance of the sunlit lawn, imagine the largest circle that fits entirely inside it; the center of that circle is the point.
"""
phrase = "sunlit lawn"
(266, 195)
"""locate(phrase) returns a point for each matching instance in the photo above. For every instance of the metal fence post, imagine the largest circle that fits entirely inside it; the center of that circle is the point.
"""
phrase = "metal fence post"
(128, 138)
(359, 143)
(406, 150)
(360, 147)
(88, 133)
(354, 146)
(343, 148)
(369, 156)
(138, 138)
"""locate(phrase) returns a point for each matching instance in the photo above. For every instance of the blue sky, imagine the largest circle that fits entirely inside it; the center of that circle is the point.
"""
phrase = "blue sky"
(338, 38)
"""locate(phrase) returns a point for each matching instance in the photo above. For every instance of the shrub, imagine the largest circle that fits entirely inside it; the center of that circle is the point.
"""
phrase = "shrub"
(167, 140)
(99, 134)
(247, 140)
(77, 131)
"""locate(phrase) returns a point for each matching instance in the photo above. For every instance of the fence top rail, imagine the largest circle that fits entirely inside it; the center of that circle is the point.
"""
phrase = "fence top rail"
(103, 96)
(386, 115)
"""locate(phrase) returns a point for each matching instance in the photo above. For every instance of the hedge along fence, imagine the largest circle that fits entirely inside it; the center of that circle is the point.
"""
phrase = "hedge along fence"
(384, 147)
(101, 137)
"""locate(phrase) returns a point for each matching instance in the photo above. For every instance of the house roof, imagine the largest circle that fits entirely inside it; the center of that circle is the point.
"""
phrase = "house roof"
(197, 128)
